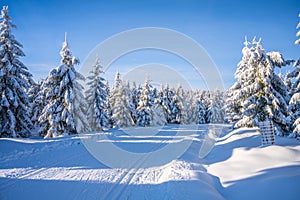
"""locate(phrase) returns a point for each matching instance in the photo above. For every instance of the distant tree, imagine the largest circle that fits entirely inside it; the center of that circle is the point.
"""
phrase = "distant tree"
(96, 96)
(216, 113)
(204, 98)
(145, 106)
(120, 104)
(183, 118)
(135, 94)
(66, 111)
(165, 101)
(108, 103)
(131, 104)
(158, 116)
(200, 113)
(15, 80)
(150, 111)
(37, 98)
(175, 112)
(191, 106)
(118, 80)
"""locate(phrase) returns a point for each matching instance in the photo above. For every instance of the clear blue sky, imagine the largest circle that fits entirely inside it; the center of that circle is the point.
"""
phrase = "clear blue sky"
(219, 26)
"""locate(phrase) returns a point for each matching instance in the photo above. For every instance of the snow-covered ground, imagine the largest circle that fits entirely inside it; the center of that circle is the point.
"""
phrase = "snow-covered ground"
(236, 168)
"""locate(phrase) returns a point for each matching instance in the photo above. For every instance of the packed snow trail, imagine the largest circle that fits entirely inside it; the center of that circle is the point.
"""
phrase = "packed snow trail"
(63, 168)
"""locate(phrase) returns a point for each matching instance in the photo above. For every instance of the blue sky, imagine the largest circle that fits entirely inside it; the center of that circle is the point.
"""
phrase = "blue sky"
(219, 26)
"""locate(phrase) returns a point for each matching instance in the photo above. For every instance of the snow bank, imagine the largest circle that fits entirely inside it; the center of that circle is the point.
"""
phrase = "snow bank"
(250, 171)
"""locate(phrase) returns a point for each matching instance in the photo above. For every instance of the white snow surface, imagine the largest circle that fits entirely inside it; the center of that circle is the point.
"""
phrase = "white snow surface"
(238, 167)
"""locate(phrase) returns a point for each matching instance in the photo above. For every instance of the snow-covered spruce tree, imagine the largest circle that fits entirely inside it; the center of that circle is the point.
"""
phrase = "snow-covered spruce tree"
(108, 109)
(262, 93)
(146, 101)
(294, 104)
(183, 118)
(150, 111)
(96, 96)
(118, 80)
(44, 125)
(66, 111)
(191, 98)
(120, 104)
(175, 114)
(165, 101)
(112, 98)
(158, 116)
(131, 104)
(37, 98)
(135, 94)
(216, 113)
(204, 98)
(200, 113)
(14, 82)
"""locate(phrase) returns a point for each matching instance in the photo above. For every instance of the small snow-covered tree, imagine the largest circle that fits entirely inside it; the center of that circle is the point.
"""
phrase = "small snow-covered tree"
(66, 111)
(120, 104)
(96, 96)
(14, 83)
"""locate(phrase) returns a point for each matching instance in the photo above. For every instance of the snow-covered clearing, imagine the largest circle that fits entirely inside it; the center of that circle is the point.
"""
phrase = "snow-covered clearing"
(237, 167)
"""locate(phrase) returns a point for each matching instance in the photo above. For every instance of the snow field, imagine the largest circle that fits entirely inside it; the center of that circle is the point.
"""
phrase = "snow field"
(236, 168)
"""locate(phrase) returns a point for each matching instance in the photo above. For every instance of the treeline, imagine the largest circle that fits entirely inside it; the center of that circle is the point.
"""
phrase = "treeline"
(59, 105)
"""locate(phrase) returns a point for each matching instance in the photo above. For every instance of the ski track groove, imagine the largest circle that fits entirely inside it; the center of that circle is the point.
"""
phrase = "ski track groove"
(130, 174)
(36, 172)
(119, 186)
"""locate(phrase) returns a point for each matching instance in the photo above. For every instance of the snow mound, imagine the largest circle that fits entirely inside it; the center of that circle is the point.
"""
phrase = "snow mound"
(250, 171)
